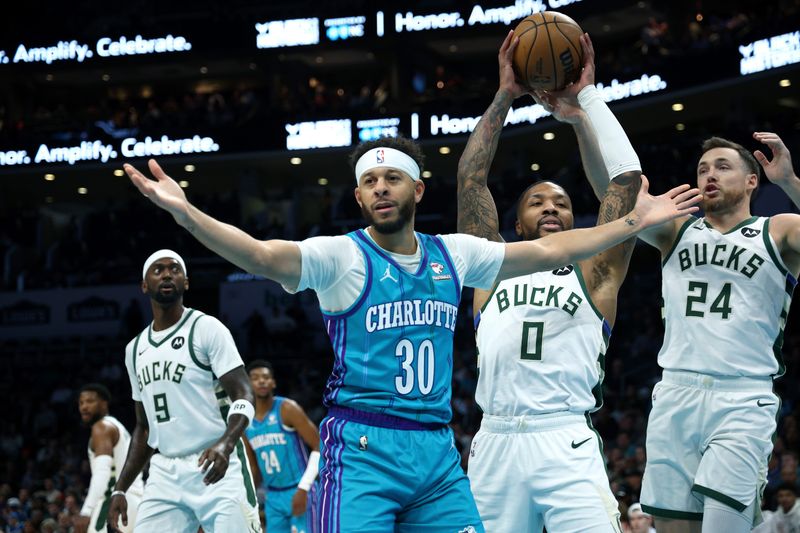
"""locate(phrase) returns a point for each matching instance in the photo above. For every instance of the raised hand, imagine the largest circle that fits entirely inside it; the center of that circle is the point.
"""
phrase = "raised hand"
(505, 58)
(163, 191)
(214, 461)
(563, 104)
(654, 210)
(779, 171)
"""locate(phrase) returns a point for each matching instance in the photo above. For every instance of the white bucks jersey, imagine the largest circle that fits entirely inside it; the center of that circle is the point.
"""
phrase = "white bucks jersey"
(541, 346)
(183, 400)
(118, 456)
(726, 299)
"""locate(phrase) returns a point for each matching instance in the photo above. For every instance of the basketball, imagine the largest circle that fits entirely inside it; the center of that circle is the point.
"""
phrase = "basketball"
(549, 54)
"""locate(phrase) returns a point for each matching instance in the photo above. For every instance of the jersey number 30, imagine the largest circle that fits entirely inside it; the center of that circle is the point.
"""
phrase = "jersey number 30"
(424, 367)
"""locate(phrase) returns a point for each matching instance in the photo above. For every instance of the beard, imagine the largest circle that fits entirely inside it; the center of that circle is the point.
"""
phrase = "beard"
(724, 202)
(167, 299)
(405, 212)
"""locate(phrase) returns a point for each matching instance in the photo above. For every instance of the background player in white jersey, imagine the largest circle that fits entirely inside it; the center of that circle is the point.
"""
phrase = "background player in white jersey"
(727, 282)
(108, 447)
(185, 371)
(536, 461)
(388, 460)
(286, 454)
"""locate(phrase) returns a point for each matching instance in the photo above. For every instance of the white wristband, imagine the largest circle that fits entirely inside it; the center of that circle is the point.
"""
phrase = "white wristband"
(312, 469)
(615, 147)
(242, 407)
(118, 493)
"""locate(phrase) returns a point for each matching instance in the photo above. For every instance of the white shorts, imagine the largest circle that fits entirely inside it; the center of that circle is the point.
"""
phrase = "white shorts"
(177, 500)
(97, 523)
(530, 472)
(707, 436)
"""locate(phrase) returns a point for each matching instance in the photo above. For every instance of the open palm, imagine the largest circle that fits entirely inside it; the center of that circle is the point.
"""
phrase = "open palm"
(677, 202)
(162, 191)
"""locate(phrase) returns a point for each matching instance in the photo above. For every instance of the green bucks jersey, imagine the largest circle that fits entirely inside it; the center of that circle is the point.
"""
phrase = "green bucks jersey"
(174, 373)
(541, 346)
(726, 299)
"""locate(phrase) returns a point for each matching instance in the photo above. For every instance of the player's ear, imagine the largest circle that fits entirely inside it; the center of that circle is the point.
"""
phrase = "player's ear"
(144, 287)
(185, 284)
(357, 193)
(518, 228)
(419, 190)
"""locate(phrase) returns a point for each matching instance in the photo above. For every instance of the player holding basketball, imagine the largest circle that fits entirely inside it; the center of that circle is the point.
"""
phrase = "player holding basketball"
(185, 371)
(536, 460)
(281, 436)
(727, 283)
(389, 298)
(108, 447)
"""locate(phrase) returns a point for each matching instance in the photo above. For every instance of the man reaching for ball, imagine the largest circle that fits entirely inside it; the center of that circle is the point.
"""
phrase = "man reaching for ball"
(536, 460)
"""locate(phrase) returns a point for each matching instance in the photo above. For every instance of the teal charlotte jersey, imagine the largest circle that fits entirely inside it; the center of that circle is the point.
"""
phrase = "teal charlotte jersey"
(394, 346)
(281, 453)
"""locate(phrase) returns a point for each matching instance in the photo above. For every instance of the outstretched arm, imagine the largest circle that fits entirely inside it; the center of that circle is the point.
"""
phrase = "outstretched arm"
(477, 213)
(567, 247)
(275, 259)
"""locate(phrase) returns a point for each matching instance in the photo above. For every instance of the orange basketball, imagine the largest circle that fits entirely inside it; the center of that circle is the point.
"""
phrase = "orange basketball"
(549, 54)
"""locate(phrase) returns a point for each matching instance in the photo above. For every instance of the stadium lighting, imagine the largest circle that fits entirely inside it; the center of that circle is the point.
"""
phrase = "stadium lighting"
(680, 126)
(189, 168)
(119, 173)
(183, 184)
(785, 83)
(444, 150)
(82, 190)
(535, 167)
(295, 160)
(549, 136)
(427, 174)
(49, 177)
(322, 181)
(677, 106)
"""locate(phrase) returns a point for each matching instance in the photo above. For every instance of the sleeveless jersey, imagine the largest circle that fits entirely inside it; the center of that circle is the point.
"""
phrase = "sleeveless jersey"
(541, 346)
(185, 404)
(118, 456)
(394, 346)
(281, 453)
(726, 299)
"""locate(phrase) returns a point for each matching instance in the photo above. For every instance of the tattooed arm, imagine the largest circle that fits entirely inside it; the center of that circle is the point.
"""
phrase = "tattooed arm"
(477, 213)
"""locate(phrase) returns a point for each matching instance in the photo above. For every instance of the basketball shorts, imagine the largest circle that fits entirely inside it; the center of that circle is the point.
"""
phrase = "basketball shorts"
(381, 473)
(176, 499)
(97, 523)
(278, 512)
(707, 437)
(531, 472)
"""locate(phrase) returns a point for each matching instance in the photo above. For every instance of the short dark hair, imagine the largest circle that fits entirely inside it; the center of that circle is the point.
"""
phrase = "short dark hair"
(750, 162)
(260, 363)
(786, 485)
(405, 145)
(524, 193)
(99, 389)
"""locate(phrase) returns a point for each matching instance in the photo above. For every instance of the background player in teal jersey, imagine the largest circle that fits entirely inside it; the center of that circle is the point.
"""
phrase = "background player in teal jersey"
(286, 449)
(389, 297)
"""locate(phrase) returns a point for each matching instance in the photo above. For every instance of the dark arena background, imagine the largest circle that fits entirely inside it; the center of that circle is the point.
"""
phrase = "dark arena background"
(253, 107)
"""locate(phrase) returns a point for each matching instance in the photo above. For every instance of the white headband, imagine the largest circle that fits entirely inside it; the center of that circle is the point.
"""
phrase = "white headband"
(155, 256)
(386, 157)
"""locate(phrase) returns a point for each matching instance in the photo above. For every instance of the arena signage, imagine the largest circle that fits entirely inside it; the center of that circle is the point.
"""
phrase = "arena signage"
(342, 28)
(102, 152)
(292, 32)
(773, 52)
(104, 47)
(616, 90)
(478, 15)
(319, 134)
